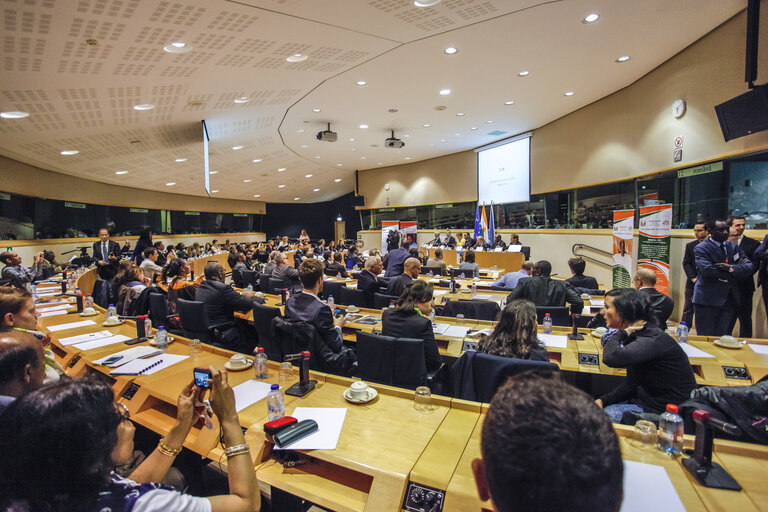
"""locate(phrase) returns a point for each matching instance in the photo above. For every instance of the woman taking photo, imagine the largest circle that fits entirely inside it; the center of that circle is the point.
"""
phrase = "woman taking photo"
(60, 443)
(658, 370)
(515, 334)
(410, 319)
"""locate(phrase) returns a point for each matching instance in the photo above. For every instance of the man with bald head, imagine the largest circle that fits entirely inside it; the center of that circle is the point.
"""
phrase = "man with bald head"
(22, 368)
(411, 268)
(661, 305)
(367, 280)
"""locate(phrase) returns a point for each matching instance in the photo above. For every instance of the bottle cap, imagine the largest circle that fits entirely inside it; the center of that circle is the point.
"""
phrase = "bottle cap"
(672, 408)
(275, 387)
(260, 349)
(111, 305)
(682, 323)
(161, 328)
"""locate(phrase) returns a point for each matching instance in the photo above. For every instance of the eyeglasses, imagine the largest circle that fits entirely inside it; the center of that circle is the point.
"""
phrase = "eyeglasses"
(125, 414)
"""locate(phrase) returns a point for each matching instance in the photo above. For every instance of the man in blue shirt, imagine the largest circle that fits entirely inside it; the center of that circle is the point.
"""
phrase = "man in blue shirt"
(510, 279)
(20, 276)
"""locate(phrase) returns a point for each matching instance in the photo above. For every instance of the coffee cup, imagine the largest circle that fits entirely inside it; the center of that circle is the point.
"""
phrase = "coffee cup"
(112, 320)
(601, 330)
(238, 361)
(585, 296)
(358, 390)
(353, 309)
(259, 294)
(89, 311)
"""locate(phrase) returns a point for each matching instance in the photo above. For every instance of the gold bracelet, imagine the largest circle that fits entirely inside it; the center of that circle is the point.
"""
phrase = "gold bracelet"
(167, 450)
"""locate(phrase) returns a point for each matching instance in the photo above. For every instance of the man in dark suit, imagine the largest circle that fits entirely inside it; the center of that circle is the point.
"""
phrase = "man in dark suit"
(162, 257)
(499, 243)
(107, 255)
(307, 307)
(718, 262)
(395, 258)
(578, 279)
(367, 280)
(221, 301)
(689, 267)
(437, 242)
(661, 305)
(761, 260)
(745, 284)
(411, 269)
(287, 273)
(449, 241)
(542, 290)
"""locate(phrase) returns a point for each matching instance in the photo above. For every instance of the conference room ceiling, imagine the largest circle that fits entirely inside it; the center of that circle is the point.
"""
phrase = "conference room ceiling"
(79, 67)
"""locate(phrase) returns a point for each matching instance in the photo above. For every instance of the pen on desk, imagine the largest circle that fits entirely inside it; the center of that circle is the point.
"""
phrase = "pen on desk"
(37, 334)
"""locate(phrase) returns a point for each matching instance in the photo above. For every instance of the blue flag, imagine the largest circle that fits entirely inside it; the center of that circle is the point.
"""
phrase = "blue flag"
(490, 226)
(478, 226)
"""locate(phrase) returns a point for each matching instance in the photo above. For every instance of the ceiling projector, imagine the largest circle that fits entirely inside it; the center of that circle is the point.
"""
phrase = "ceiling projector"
(392, 142)
(327, 135)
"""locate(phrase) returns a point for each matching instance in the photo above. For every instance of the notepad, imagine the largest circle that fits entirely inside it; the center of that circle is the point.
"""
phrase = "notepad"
(648, 487)
(329, 420)
(148, 366)
(129, 355)
(692, 351)
(456, 331)
(102, 342)
(250, 392)
(73, 340)
(482, 297)
(760, 349)
(73, 325)
(553, 340)
(52, 308)
(54, 312)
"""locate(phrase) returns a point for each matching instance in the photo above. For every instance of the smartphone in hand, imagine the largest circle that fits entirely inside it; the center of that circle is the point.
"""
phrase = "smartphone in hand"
(202, 375)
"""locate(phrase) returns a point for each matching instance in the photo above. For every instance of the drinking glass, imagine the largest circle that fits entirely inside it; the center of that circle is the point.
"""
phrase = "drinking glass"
(195, 348)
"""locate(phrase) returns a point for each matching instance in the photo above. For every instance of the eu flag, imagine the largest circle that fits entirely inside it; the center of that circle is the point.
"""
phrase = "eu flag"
(478, 227)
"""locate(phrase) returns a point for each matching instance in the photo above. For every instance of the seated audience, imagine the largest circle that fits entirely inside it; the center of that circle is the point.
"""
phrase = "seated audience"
(195, 251)
(469, 242)
(18, 275)
(285, 245)
(437, 242)
(542, 290)
(499, 243)
(61, 442)
(240, 265)
(149, 264)
(461, 241)
(411, 269)
(515, 334)
(231, 257)
(661, 305)
(353, 258)
(394, 259)
(287, 273)
(578, 279)
(410, 319)
(437, 261)
(129, 282)
(180, 287)
(221, 301)
(480, 244)
(162, 258)
(449, 241)
(304, 237)
(181, 251)
(514, 240)
(368, 281)
(50, 265)
(510, 279)
(546, 447)
(270, 267)
(658, 371)
(126, 248)
(261, 254)
(307, 307)
(22, 367)
(469, 263)
(337, 268)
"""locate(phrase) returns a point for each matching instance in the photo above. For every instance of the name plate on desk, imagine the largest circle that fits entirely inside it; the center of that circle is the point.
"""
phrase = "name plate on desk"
(589, 359)
(422, 498)
(736, 372)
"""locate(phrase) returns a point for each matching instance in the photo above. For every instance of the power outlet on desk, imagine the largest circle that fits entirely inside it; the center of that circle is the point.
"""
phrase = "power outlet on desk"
(736, 372)
(469, 346)
(130, 390)
(73, 362)
(422, 498)
(589, 359)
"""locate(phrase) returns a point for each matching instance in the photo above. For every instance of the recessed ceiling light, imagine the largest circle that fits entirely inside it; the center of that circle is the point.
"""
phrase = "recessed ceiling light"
(256, 195)
(181, 160)
(179, 44)
(457, 134)
(281, 169)
(524, 73)
(257, 160)
(15, 114)
(489, 121)
(363, 126)
(459, 114)
(623, 58)
(354, 149)
(362, 158)
(473, 128)
(121, 172)
(425, 3)
(352, 140)
(591, 18)
(317, 156)
(247, 181)
(427, 125)
(569, 93)
(144, 106)
(339, 165)
(177, 47)
(242, 99)
(315, 190)
(170, 184)
(307, 175)
(445, 92)
(296, 198)
(214, 191)
(406, 135)
(431, 145)
(304, 146)
(451, 50)
(281, 186)
(379, 163)
(407, 158)
(236, 148)
(69, 152)
(362, 83)
(300, 131)
(337, 180)
(297, 57)
(315, 110)
(509, 102)
(214, 172)
(442, 140)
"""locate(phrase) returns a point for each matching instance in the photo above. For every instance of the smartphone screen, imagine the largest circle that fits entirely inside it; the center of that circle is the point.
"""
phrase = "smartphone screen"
(201, 377)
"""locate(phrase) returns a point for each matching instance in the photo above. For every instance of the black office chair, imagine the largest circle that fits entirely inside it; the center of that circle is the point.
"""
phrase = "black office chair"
(264, 283)
(332, 288)
(296, 336)
(475, 309)
(436, 271)
(332, 272)
(103, 293)
(194, 322)
(477, 376)
(382, 300)
(459, 272)
(262, 322)
(276, 285)
(560, 315)
(391, 361)
(350, 297)
(159, 314)
(250, 277)
(237, 278)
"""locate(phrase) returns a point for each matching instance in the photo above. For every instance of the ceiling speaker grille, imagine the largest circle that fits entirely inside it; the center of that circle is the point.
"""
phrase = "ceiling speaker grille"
(167, 13)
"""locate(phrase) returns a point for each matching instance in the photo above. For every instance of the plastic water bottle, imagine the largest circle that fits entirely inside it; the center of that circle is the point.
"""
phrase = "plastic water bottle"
(391, 304)
(111, 311)
(474, 289)
(147, 326)
(71, 281)
(453, 284)
(671, 430)
(431, 274)
(275, 403)
(88, 301)
(331, 302)
(249, 290)
(547, 324)
(161, 338)
(260, 363)
(432, 316)
(682, 333)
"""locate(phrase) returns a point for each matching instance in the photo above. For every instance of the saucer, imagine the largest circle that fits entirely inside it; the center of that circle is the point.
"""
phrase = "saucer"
(729, 343)
(105, 324)
(465, 290)
(153, 342)
(238, 368)
(353, 309)
(90, 314)
(372, 393)
(596, 334)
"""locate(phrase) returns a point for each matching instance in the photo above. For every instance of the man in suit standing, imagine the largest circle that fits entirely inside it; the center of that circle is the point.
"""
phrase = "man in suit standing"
(661, 305)
(411, 269)
(367, 281)
(107, 255)
(542, 290)
(745, 284)
(394, 259)
(689, 267)
(715, 297)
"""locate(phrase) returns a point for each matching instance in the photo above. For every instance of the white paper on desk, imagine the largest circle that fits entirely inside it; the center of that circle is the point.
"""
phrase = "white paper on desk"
(49, 294)
(148, 366)
(250, 392)
(515, 248)
(72, 340)
(597, 302)
(440, 328)
(553, 340)
(648, 487)
(53, 308)
(434, 281)
(72, 325)
(54, 312)
(482, 296)
(57, 301)
(102, 342)
(437, 293)
(456, 331)
(692, 351)
(760, 349)
(329, 422)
